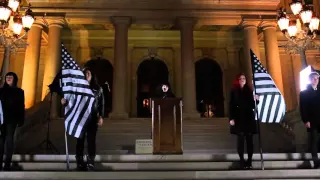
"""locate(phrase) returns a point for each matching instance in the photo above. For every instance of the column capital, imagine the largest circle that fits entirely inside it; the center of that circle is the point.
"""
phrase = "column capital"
(124, 20)
(268, 24)
(57, 22)
(39, 23)
(186, 21)
(250, 24)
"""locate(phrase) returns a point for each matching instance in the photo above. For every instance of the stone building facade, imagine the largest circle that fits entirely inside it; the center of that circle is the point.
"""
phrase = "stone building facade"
(179, 33)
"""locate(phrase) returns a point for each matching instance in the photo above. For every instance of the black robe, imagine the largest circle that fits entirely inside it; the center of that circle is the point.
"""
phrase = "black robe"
(12, 99)
(241, 110)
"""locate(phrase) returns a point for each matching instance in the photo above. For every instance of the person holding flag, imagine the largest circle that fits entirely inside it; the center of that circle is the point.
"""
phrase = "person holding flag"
(83, 104)
(241, 118)
(95, 120)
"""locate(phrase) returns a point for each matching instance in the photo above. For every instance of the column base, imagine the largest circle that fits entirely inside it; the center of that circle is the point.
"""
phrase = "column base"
(192, 116)
(118, 116)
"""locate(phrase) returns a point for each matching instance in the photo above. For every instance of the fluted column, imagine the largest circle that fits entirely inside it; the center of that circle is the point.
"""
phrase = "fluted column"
(119, 95)
(53, 60)
(251, 41)
(272, 53)
(31, 63)
(188, 68)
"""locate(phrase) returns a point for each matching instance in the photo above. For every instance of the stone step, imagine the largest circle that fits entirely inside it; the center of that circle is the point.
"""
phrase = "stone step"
(162, 166)
(187, 157)
(156, 175)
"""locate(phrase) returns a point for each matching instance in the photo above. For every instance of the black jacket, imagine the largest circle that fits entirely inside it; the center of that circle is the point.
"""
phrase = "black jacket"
(98, 107)
(310, 107)
(12, 99)
(241, 110)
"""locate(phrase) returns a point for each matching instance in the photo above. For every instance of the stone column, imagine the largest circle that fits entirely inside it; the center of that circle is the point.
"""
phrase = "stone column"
(31, 64)
(119, 95)
(250, 42)
(272, 53)
(188, 68)
(177, 71)
(53, 61)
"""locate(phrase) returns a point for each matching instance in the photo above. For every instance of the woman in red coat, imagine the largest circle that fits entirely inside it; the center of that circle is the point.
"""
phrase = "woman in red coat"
(242, 119)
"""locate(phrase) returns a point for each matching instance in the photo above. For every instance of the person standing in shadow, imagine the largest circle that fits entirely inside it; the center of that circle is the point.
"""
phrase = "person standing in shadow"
(12, 100)
(242, 119)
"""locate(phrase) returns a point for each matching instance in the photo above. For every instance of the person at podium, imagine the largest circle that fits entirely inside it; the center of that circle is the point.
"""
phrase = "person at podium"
(242, 119)
(164, 91)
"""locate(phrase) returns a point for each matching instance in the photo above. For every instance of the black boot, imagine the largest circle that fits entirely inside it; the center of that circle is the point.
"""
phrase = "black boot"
(242, 164)
(90, 163)
(248, 164)
(81, 165)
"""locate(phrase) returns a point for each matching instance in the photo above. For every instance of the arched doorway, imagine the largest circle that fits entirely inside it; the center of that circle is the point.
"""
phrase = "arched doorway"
(104, 72)
(209, 87)
(151, 73)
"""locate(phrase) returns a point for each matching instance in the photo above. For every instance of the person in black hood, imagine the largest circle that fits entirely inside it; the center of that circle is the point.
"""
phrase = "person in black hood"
(310, 114)
(12, 100)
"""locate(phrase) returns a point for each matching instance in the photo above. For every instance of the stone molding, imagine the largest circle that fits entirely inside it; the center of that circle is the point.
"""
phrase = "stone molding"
(56, 22)
(268, 24)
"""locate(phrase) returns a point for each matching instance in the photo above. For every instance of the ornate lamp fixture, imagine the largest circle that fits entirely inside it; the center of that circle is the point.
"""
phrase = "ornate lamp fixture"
(12, 23)
(301, 28)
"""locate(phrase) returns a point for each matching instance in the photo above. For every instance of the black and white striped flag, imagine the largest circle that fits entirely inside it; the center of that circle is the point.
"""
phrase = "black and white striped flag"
(271, 107)
(77, 92)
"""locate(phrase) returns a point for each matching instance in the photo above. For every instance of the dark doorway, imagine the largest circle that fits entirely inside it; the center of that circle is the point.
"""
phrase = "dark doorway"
(151, 73)
(209, 86)
(104, 72)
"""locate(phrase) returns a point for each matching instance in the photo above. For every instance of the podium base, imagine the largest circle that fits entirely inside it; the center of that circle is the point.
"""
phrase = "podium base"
(119, 116)
(191, 116)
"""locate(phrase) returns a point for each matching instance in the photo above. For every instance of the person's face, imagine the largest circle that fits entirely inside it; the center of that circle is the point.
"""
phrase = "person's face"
(9, 80)
(165, 88)
(242, 80)
(314, 80)
(88, 76)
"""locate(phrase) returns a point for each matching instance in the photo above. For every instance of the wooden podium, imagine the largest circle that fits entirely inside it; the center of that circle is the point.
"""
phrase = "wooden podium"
(167, 125)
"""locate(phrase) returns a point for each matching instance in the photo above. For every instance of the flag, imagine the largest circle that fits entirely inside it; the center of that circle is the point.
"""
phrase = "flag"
(76, 90)
(271, 107)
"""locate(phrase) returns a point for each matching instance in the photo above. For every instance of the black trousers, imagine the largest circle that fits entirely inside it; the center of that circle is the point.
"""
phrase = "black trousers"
(314, 141)
(90, 133)
(6, 139)
(240, 146)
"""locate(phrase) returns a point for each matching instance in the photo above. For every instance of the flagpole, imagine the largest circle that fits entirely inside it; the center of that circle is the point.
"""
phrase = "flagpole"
(256, 112)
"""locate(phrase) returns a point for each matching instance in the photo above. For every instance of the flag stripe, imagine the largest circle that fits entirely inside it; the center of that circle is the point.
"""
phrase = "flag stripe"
(80, 114)
(271, 107)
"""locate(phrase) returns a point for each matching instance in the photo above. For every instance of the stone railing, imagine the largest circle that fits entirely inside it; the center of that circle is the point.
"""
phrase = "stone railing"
(35, 117)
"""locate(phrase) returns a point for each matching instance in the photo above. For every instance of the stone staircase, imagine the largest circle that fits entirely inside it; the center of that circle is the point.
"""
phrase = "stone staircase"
(166, 167)
(118, 137)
